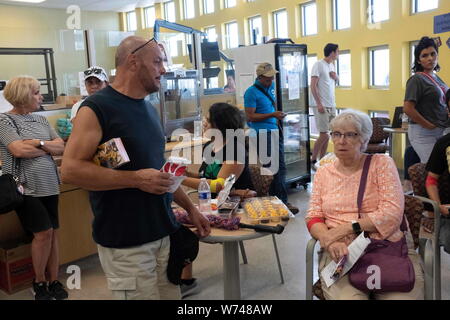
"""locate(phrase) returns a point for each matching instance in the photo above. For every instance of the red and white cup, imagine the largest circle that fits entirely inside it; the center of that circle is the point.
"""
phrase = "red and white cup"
(175, 166)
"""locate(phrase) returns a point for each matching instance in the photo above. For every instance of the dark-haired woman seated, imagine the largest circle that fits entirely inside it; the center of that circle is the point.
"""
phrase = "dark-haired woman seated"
(224, 155)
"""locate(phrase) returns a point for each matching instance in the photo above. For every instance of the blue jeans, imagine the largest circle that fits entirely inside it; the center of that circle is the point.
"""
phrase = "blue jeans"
(411, 157)
(278, 186)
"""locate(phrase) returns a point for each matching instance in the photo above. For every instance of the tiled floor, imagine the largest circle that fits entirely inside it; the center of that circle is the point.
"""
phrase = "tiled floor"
(259, 278)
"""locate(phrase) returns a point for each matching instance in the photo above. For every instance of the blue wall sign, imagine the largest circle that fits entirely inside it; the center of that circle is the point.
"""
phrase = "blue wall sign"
(442, 23)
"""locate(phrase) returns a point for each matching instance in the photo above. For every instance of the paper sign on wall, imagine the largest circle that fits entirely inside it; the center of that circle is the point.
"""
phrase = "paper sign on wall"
(245, 81)
(294, 85)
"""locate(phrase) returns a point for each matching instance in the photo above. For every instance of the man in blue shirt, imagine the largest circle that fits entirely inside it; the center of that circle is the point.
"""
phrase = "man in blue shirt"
(261, 112)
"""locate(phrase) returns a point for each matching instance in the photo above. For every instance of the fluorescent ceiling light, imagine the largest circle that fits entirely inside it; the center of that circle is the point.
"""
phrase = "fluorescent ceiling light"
(30, 1)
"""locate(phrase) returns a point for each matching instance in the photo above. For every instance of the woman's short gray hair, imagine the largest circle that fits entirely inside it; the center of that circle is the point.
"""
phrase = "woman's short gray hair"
(360, 120)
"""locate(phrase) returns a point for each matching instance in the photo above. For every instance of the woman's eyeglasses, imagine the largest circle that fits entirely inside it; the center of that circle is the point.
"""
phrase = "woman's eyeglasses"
(143, 45)
(93, 71)
(348, 135)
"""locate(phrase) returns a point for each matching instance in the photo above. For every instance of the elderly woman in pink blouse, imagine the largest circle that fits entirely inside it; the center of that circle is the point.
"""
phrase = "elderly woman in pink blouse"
(333, 212)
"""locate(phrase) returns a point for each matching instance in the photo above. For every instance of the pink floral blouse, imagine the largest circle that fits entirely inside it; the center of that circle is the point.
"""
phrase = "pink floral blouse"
(334, 198)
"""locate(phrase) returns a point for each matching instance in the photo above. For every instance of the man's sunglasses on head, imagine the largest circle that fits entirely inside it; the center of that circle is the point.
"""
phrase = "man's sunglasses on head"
(143, 45)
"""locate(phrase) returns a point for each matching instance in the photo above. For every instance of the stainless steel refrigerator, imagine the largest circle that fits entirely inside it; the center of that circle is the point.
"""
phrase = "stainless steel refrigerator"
(291, 89)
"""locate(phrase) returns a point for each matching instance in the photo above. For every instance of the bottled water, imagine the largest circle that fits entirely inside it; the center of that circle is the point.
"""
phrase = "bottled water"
(204, 197)
(404, 121)
(197, 130)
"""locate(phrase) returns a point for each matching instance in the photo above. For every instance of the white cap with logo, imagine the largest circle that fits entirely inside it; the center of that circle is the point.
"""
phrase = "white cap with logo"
(97, 72)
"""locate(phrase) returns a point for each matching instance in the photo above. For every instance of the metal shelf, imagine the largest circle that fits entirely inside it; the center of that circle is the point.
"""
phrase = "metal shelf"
(50, 75)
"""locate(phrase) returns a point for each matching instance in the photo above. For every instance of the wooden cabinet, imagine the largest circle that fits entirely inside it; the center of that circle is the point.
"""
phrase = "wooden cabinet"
(75, 221)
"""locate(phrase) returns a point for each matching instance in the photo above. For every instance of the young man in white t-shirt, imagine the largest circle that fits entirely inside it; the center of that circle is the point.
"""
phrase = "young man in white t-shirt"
(323, 100)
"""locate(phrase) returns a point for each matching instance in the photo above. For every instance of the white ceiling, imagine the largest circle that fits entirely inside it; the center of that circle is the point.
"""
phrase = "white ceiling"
(88, 5)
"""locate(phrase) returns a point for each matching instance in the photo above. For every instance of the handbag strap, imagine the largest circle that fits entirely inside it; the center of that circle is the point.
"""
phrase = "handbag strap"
(16, 161)
(363, 182)
(362, 189)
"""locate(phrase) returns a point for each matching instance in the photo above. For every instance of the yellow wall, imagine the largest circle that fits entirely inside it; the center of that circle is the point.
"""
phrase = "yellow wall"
(397, 32)
(30, 27)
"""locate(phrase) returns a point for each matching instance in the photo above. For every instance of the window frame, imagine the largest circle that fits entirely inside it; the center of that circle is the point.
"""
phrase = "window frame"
(371, 50)
(226, 5)
(205, 6)
(303, 20)
(128, 14)
(146, 9)
(173, 46)
(205, 30)
(412, 45)
(275, 24)
(227, 35)
(250, 29)
(343, 52)
(335, 17)
(166, 4)
(310, 55)
(371, 15)
(185, 10)
(415, 5)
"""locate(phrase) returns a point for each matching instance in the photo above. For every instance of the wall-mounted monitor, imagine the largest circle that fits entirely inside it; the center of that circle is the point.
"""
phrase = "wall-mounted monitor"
(210, 51)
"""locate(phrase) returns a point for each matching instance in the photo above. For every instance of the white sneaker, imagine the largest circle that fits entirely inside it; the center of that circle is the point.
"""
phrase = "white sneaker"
(189, 290)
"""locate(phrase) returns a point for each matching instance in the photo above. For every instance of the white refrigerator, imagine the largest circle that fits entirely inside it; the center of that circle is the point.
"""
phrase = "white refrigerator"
(291, 89)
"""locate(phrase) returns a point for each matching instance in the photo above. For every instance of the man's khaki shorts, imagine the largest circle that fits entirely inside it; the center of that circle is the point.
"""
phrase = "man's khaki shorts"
(323, 119)
(139, 273)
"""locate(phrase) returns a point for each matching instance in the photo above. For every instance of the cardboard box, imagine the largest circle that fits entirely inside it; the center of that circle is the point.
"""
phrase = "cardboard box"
(68, 101)
(16, 268)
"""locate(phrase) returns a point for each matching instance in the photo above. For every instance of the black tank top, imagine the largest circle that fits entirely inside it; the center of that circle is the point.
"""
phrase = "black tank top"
(130, 217)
